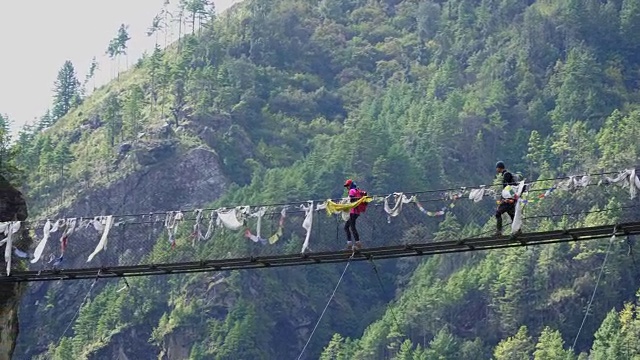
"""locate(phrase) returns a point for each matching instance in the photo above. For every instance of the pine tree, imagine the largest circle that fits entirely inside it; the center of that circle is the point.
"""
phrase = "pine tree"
(5, 134)
(182, 5)
(580, 94)
(123, 37)
(420, 353)
(7, 152)
(118, 45)
(201, 10)
(85, 327)
(194, 8)
(550, 346)
(66, 91)
(208, 17)
(630, 26)
(156, 26)
(473, 350)
(46, 120)
(428, 17)
(406, 351)
(608, 343)
(167, 19)
(511, 290)
(155, 67)
(64, 351)
(26, 156)
(443, 346)
(91, 73)
(536, 154)
(178, 77)
(133, 112)
(62, 157)
(335, 349)
(46, 159)
(113, 118)
(448, 229)
(517, 347)
(5, 137)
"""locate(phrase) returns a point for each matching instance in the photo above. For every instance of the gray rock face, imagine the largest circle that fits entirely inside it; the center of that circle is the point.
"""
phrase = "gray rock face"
(155, 152)
(12, 207)
(9, 305)
(173, 179)
(126, 346)
(93, 122)
(124, 148)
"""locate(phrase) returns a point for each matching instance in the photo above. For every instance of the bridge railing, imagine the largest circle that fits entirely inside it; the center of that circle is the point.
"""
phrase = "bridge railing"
(143, 240)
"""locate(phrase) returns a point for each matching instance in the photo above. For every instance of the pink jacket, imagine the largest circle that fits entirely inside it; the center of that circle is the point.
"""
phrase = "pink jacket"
(354, 194)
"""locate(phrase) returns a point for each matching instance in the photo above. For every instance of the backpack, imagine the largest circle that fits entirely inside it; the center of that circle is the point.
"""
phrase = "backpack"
(517, 177)
(362, 207)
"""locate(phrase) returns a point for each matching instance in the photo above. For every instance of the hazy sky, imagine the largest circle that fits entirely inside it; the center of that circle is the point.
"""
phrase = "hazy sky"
(36, 37)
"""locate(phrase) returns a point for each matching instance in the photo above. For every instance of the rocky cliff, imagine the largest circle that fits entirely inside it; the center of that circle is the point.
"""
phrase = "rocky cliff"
(9, 326)
(170, 177)
(12, 207)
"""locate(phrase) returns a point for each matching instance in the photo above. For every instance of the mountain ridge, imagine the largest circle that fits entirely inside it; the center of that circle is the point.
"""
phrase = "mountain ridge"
(289, 98)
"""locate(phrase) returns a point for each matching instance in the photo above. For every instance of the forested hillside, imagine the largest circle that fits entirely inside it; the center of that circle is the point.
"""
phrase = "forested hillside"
(290, 97)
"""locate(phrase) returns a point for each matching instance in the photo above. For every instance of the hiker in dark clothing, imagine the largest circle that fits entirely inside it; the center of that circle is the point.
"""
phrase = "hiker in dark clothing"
(507, 205)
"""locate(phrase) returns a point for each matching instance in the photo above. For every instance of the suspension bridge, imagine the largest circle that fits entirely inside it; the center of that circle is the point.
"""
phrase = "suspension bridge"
(428, 223)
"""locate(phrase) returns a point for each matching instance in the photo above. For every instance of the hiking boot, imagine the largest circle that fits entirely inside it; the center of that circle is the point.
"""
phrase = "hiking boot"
(516, 234)
(358, 245)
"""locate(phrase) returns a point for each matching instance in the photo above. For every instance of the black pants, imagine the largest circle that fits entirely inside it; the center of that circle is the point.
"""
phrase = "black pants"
(504, 207)
(350, 227)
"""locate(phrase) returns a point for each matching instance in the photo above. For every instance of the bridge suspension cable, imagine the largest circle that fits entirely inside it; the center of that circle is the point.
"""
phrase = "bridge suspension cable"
(426, 225)
(290, 203)
(329, 257)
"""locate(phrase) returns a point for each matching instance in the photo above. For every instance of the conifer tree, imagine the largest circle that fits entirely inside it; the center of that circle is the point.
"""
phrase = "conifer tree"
(536, 153)
(113, 117)
(46, 120)
(91, 73)
(551, 346)
(118, 45)
(6, 152)
(64, 351)
(62, 157)
(133, 112)
(443, 346)
(517, 347)
(66, 91)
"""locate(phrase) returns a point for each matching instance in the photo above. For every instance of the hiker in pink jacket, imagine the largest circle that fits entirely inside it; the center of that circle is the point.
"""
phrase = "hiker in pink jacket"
(350, 226)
